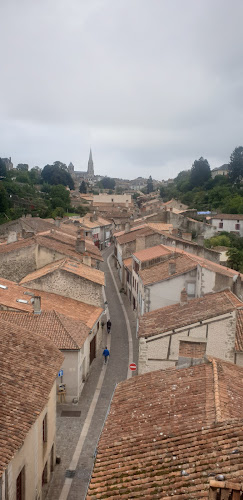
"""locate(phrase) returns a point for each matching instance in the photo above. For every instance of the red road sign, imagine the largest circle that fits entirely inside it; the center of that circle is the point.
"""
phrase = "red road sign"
(133, 367)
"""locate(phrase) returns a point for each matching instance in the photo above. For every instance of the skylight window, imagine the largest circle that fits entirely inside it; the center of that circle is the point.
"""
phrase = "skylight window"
(22, 301)
(3, 287)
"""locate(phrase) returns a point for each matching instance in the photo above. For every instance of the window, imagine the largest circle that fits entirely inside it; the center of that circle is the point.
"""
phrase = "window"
(191, 288)
(135, 266)
(44, 428)
(20, 485)
(98, 325)
(221, 225)
(44, 474)
(237, 226)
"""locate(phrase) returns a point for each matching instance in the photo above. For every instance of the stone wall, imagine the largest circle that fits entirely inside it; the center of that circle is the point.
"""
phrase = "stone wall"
(16, 264)
(163, 351)
(70, 285)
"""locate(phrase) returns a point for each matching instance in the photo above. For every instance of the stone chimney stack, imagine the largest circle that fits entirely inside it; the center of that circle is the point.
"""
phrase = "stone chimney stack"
(36, 301)
(80, 242)
(57, 221)
(172, 267)
(184, 298)
(12, 236)
(127, 227)
(200, 240)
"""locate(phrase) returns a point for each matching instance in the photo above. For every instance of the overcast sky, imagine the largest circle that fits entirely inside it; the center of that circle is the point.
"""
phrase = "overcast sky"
(149, 85)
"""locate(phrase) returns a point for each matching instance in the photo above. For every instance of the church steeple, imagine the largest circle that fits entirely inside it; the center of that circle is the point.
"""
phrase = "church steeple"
(90, 165)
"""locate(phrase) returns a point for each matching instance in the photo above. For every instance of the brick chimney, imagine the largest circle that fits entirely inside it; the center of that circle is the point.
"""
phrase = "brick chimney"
(80, 242)
(172, 267)
(184, 298)
(57, 221)
(127, 227)
(36, 301)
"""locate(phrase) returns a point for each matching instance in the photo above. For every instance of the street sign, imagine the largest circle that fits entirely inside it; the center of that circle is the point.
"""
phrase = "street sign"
(133, 367)
(60, 373)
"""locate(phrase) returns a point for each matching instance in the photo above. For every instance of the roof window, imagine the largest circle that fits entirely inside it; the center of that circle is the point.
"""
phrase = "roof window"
(22, 301)
(4, 287)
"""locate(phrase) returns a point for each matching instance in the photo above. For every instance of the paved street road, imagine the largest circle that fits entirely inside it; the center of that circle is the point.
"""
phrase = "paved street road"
(70, 428)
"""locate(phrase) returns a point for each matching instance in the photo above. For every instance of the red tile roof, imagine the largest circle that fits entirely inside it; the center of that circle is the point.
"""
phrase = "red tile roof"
(134, 234)
(72, 308)
(71, 266)
(169, 432)
(176, 316)
(29, 367)
(152, 253)
(162, 271)
(228, 216)
(64, 332)
(239, 331)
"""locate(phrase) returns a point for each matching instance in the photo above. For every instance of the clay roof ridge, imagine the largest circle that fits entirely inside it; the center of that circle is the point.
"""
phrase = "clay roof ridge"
(59, 318)
(216, 391)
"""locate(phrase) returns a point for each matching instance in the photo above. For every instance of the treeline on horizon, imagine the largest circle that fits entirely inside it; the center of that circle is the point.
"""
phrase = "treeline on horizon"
(197, 189)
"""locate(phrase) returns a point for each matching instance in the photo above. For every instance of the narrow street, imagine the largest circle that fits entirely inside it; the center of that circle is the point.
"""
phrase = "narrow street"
(77, 436)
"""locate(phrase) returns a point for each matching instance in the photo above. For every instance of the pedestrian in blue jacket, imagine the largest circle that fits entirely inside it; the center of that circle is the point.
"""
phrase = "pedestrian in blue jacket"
(106, 354)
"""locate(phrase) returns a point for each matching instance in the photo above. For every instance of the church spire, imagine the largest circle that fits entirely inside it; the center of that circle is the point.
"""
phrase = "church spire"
(90, 165)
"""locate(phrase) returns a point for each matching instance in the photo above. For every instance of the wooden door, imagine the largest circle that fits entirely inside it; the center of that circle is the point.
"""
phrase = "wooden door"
(92, 350)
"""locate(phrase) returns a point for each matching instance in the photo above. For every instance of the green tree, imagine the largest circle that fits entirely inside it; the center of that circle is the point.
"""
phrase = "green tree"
(56, 174)
(200, 172)
(150, 186)
(3, 170)
(235, 259)
(60, 197)
(83, 187)
(108, 183)
(4, 199)
(23, 167)
(236, 166)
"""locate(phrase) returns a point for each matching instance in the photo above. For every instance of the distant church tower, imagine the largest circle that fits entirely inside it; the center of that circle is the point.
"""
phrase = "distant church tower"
(90, 172)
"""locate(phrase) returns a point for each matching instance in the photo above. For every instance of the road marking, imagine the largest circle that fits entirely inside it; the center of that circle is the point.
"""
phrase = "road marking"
(129, 333)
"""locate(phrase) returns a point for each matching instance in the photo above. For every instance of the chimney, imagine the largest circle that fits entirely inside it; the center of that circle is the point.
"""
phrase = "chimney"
(200, 240)
(87, 260)
(184, 297)
(36, 301)
(57, 222)
(172, 267)
(12, 236)
(80, 242)
(127, 227)
(174, 232)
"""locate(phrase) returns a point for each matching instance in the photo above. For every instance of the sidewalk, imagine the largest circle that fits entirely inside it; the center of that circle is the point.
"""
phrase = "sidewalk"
(69, 428)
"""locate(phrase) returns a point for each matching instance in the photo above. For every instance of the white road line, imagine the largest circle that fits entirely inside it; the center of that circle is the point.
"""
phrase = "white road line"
(129, 333)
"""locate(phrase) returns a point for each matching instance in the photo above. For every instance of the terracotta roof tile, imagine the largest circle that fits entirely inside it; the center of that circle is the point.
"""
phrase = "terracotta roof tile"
(228, 216)
(152, 253)
(29, 366)
(64, 332)
(160, 226)
(134, 234)
(128, 263)
(71, 308)
(71, 266)
(176, 316)
(239, 331)
(162, 271)
(170, 427)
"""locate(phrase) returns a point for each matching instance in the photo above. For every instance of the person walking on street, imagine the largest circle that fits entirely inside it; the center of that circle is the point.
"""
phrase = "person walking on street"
(106, 354)
(108, 326)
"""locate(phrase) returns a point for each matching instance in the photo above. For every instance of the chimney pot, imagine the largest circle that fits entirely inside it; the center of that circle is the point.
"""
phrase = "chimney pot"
(184, 297)
(172, 267)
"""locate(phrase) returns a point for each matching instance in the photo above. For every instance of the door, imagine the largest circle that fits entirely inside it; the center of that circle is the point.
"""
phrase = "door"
(92, 350)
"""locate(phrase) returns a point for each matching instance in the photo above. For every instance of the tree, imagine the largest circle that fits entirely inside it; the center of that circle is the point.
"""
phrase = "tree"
(4, 199)
(235, 259)
(83, 187)
(23, 167)
(236, 166)
(3, 169)
(54, 174)
(60, 197)
(108, 183)
(200, 172)
(150, 186)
